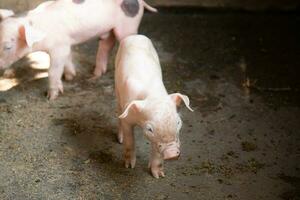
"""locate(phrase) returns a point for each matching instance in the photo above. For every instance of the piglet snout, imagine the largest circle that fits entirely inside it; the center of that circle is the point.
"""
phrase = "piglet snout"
(170, 151)
(171, 154)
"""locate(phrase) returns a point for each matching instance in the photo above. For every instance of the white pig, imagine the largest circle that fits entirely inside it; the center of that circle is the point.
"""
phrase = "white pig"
(54, 26)
(143, 101)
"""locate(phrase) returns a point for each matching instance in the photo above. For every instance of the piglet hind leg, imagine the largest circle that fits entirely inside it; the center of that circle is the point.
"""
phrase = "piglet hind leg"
(59, 58)
(129, 148)
(120, 131)
(156, 164)
(104, 49)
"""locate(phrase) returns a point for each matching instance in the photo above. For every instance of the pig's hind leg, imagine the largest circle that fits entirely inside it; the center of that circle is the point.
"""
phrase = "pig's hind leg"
(104, 49)
(125, 28)
(120, 131)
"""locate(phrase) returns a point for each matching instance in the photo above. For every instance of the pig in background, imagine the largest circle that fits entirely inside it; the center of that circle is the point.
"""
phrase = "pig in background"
(143, 101)
(54, 26)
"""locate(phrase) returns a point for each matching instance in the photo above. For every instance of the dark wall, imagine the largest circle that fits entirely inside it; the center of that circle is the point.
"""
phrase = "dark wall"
(21, 5)
(233, 4)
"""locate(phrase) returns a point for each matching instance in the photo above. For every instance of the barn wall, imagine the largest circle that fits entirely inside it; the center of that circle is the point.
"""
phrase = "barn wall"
(21, 5)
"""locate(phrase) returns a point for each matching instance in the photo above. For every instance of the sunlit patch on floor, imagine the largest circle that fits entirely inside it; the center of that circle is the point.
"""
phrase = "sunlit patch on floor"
(40, 75)
(6, 84)
(39, 60)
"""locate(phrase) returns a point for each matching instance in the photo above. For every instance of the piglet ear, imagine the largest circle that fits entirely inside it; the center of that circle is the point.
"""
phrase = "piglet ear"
(30, 35)
(178, 98)
(5, 13)
(135, 106)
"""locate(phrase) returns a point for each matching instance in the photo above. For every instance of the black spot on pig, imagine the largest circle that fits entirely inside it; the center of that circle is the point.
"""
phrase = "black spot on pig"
(130, 7)
(78, 1)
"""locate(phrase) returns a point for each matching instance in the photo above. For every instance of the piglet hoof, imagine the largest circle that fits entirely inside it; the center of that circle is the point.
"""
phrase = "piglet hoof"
(157, 171)
(99, 71)
(120, 138)
(130, 161)
(94, 78)
(53, 93)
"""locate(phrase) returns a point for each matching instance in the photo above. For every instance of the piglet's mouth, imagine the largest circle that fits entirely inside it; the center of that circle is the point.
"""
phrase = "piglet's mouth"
(172, 158)
(171, 154)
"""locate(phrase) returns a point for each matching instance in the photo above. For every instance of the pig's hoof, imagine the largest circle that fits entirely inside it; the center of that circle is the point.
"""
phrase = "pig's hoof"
(157, 172)
(100, 69)
(94, 78)
(130, 162)
(53, 93)
(120, 138)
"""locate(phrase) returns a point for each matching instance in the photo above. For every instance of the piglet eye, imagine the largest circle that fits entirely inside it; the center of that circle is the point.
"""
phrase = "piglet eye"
(7, 47)
(179, 122)
(149, 128)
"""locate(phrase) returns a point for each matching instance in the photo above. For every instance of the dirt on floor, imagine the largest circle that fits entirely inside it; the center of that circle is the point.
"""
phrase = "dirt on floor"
(241, 72)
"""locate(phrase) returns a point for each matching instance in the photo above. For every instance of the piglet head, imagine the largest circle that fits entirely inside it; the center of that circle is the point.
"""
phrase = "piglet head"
(17, 37)
(160, 121)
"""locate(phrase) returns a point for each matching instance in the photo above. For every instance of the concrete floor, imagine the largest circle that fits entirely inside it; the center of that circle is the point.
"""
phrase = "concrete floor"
(241, 72)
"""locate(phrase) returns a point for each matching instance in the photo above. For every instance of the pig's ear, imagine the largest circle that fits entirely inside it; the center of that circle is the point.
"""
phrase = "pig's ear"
(5, 13)
(178, 98)
(135, 106)
(30, 35)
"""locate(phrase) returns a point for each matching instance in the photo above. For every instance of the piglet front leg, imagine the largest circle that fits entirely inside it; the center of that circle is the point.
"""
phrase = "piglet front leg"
(69, 70)
(59, 58)
(129, 148)
(156, 163)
